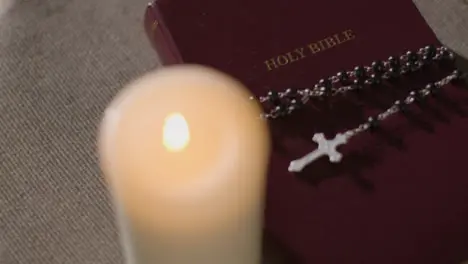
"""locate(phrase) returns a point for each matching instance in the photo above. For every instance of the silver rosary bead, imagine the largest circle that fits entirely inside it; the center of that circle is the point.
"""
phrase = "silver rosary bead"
(282, 103)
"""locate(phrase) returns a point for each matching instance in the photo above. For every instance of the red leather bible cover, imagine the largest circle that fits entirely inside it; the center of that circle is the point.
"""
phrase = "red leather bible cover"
(398, 196)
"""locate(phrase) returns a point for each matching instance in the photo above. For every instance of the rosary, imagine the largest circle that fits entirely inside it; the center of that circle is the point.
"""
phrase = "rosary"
(280, 104)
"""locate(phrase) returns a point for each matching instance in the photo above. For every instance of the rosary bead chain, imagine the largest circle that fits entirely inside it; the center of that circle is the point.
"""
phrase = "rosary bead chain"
(279, 104)
(328, 147)
(401, 105)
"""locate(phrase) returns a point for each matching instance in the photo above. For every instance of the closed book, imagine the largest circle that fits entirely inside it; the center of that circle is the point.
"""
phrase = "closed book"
(400, 194)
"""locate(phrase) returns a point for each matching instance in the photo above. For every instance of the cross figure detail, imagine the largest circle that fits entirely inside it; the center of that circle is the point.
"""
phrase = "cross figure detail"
(325, 147)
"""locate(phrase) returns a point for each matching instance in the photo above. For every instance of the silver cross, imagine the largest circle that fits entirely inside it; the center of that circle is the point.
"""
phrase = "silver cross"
(325, 147)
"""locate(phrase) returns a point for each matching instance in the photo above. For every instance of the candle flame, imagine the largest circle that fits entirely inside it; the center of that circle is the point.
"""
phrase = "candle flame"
(176, 134)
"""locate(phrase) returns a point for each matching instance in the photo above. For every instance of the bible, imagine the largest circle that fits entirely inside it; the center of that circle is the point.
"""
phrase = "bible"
(399, 194)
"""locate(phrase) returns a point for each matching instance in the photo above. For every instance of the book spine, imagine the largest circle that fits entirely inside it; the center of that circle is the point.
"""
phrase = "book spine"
(160, 37)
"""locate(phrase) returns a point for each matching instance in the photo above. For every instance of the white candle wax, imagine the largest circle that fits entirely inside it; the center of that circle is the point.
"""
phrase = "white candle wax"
(185, 155)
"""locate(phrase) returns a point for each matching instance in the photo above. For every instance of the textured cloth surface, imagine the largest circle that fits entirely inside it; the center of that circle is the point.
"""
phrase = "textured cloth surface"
(61, 62)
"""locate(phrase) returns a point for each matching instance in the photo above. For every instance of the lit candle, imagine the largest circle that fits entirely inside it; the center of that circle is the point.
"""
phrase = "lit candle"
(185, 155)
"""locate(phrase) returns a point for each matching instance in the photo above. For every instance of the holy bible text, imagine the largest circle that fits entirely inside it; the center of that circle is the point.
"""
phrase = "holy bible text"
(309, 49)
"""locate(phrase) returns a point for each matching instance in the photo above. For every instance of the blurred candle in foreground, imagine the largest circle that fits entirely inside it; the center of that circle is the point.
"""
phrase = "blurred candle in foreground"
(185, 155)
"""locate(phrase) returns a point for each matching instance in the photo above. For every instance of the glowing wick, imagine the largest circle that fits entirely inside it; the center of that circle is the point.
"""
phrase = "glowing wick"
(176, 134)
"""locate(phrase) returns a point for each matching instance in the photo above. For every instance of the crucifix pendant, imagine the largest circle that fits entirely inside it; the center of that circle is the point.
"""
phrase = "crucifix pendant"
(325, 147)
